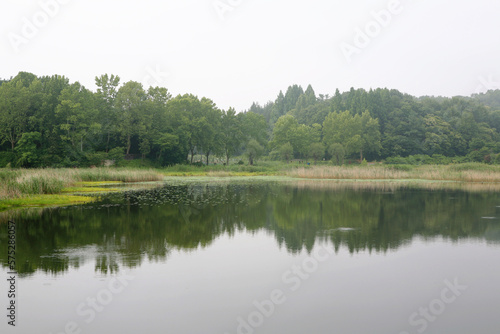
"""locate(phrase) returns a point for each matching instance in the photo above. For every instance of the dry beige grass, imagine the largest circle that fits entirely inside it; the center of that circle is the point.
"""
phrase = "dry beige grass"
(435, 173)
(348, 173)
(394, 185)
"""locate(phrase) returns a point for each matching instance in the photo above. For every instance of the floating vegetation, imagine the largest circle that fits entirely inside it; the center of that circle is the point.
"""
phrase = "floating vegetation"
(44, 201)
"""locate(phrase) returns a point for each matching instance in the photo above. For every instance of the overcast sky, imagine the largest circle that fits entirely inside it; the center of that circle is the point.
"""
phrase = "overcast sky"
(239, 51)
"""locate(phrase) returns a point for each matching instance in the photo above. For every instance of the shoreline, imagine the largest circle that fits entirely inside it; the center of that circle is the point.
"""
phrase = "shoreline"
(77, 189)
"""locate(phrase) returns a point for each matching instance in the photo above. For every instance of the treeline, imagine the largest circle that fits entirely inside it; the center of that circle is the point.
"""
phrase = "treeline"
(48, 121)
(384, 123)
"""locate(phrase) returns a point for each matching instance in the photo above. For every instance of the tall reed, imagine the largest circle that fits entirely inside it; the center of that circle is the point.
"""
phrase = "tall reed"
(464, 173)
(22, 182)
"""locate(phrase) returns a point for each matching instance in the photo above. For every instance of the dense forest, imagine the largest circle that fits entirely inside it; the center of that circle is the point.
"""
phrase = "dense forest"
(48, 121)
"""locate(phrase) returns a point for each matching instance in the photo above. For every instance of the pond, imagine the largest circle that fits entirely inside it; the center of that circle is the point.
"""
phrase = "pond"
(260, 256)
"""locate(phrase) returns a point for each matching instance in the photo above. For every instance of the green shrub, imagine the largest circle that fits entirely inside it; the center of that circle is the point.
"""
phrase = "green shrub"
(96, 158)
(137, 163)
(7, 157)
(117, 154)
(401, 168)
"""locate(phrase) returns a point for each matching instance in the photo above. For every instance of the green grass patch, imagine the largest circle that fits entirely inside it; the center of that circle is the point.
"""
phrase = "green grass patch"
(220, 173)
(44, 201)
(97, 184)
(88, 190)
(259, 169)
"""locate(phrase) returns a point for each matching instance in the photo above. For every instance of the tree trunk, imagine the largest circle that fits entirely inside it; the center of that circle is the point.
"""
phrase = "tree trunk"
(207, 157)
(128, 144)
(107, 142)
(361, 155)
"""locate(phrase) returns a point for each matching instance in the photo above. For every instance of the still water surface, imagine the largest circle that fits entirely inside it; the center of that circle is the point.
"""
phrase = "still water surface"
(261, 257)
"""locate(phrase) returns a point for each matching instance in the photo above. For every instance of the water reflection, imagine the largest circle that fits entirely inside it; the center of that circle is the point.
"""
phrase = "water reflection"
(128, 228)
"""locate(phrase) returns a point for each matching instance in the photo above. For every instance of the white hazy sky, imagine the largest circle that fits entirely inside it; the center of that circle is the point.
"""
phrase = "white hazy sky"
(252, 49)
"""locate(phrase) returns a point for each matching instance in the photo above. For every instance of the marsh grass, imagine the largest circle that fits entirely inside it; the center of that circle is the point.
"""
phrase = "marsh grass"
(261, 168)
(348, 173)
(24, 182)
(389, 186)
(122, 175)
(464, 172)
(74, 190)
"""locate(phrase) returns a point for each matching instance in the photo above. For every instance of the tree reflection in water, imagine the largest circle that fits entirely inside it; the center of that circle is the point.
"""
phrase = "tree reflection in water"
(125, 229)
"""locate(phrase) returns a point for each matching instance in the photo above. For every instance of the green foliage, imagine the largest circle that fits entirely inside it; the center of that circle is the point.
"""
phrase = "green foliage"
(356, 134)
(137, 164)
(286, 152)
(116, 154)
(253, 151)
(48, 121)
(132, 117)
(6, 157)
(26, 149)
(480, 155)
(422, 159)
(496, 159)
(96, 158)
(231, 132)
(316, 151)
(299, 136)
(337, 153)
(15, 103)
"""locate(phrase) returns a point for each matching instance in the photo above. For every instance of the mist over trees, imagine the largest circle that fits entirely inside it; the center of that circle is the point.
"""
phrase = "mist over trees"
(49, 121)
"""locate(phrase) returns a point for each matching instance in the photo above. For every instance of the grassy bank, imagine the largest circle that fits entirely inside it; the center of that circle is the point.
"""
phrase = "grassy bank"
(465, 172)
(43, 200)
(44, 187)
(263, 168)
(468, 172)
